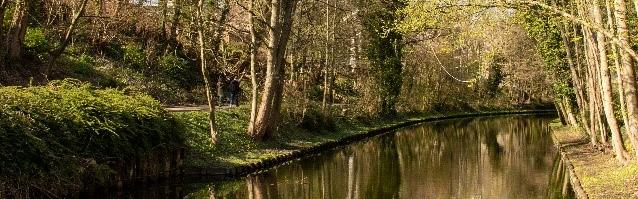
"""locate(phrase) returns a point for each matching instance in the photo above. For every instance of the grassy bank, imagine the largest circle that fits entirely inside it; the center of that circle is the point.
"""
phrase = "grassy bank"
(64, 137)
(55, 139)
(598, 172)
(236, 149)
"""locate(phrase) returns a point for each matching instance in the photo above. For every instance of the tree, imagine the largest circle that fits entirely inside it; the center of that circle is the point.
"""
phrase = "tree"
(3, 7)
(77, 13)
(281, 12)
(209, 72)
(253, 66)
(628, 73)
(619, 149)
(17, 30)
(385, 52)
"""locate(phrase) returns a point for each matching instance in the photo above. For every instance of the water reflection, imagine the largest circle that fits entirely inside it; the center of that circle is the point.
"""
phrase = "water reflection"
(559, 186)
(502, 157)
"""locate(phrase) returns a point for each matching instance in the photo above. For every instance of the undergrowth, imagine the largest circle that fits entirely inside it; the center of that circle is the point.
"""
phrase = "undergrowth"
(51, 136)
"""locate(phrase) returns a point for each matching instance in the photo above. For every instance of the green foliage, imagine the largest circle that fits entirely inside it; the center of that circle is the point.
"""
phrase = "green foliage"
(385, 52)
(134, 56)
(495, 76)
(419, 16)
(546, 30)
(316, 120)
(54, 134)
(114, 51)
(83, 67)
(232, 125)
(7, 16)
(179, 70)
(36, 42)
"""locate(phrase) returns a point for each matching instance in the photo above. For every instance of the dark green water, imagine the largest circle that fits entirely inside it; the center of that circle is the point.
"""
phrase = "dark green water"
(495, 157)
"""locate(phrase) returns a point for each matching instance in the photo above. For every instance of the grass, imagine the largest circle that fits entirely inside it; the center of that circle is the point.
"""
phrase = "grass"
(235, 148)
(601, 176)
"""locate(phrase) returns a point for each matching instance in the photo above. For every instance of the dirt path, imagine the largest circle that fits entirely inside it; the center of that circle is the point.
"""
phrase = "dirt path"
(193, 108)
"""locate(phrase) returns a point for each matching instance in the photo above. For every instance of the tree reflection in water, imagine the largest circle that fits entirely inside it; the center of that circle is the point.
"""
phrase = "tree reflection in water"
(497, 157)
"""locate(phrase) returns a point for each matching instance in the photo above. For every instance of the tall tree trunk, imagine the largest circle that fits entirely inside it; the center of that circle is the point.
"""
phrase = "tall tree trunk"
(591, 63)
(569, 112)
(55, 54)
(209, 72)
(172, 33)
(164, 4)
(164, 33)
(581, 73)
(628, 72)
(326, 88)
(594, 65)
(288, 8)
(593, 75)
(3, 8)
(578, 85)
(262, 126)
(561, 112)
(253, 68)
(614, 50)
(17, 30)
(278, 34)
(206, 72)
(607, 99)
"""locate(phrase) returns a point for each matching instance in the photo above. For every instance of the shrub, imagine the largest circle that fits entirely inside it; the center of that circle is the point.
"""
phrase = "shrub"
(36, 42)
(179, 70)
(53, 135)
(314, 119)
(83, 67)
(134, 56)
(114, 51)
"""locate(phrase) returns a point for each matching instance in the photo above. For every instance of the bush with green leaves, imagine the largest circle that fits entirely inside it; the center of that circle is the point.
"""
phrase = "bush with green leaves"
(83, 67)
(36, 42)
(53, 135)
(134, 56)
(179, 70)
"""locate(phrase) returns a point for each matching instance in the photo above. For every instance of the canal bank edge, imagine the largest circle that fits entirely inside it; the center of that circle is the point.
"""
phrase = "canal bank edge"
(211, 173)
(561, 142)
(594, 173)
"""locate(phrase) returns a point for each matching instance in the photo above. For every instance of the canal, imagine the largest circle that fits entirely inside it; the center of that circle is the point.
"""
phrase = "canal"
(488, 157)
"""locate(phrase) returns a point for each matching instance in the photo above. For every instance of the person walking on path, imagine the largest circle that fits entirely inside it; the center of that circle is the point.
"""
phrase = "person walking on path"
(220, 92)
(233, 89)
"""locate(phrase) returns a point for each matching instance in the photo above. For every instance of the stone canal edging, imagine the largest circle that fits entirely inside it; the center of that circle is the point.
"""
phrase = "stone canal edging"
(199, 174)
(561, 144)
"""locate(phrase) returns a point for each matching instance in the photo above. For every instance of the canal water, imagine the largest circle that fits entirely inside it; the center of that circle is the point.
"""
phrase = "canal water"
(489, 157)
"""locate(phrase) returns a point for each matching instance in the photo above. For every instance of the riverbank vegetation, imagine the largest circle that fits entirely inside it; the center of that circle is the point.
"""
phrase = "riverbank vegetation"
(304, 66)
(237, 149)
(600, 176)
(59, 137)
(590, 47)
(587, 51)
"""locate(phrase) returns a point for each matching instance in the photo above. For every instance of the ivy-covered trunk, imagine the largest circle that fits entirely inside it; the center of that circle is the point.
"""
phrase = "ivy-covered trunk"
(385, 52)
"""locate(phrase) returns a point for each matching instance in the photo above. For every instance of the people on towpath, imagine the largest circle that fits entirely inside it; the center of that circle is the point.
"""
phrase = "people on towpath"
(233, 91)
